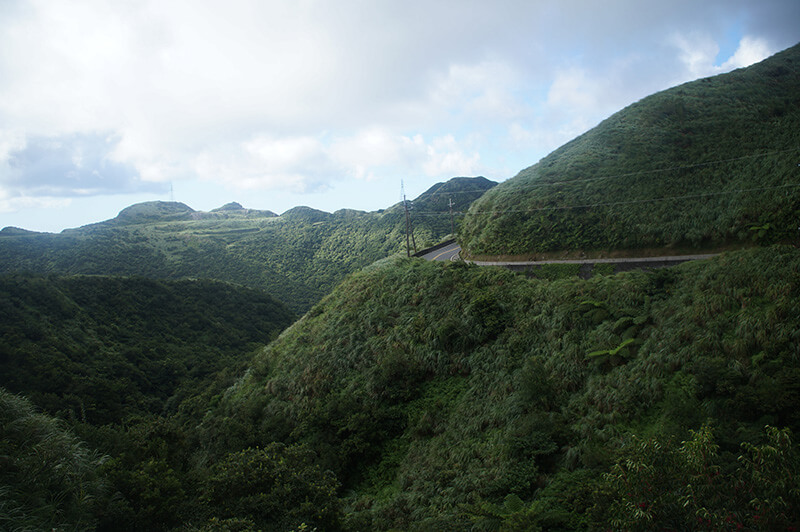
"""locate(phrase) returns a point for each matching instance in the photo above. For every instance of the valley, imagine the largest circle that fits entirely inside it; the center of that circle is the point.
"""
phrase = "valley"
(239, 370)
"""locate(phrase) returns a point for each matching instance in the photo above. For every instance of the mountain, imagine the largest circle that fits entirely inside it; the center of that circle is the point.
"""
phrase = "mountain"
(100, 349)
(152, 211)
(431, 396)
(297, 257)
(232, 207)
(448, 396)
(709, 164)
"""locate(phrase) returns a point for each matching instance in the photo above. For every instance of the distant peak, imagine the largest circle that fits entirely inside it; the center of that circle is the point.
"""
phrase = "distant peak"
(232, 206)
(154, 210)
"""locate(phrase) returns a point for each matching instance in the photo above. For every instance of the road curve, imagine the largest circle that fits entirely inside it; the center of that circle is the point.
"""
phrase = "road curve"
(446, 253)
(451, 253)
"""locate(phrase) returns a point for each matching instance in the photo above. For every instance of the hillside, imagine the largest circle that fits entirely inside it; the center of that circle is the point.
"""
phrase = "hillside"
(450, 396)
(704, 165)
(430, 396)
(416, 396)
(297, 257)
(101, 349)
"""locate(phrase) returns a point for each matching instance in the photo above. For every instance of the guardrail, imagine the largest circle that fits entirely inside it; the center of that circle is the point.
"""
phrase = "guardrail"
(434, 248)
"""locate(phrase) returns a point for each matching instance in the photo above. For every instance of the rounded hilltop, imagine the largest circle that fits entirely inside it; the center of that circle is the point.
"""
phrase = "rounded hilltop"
(707, 165)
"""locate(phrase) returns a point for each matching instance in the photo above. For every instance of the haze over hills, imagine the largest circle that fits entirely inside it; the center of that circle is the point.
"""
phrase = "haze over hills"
(441, 396)
(297, 257)
(708, 164)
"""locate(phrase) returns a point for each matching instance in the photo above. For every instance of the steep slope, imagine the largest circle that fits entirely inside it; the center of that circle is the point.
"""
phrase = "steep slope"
(100, 349)
(49, 479)
(445, 396)
(297, 257)
(434, 207)
(707, 164)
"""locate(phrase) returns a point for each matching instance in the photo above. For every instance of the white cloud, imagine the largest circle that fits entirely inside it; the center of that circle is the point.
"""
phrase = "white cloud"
(10, 203)
(698, 53)
(268, 94)
(751, 50)
(447, 158)
(375, 150)
(480, 91)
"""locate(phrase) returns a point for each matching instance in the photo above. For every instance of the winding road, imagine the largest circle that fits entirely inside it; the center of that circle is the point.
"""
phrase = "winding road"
(450, 252)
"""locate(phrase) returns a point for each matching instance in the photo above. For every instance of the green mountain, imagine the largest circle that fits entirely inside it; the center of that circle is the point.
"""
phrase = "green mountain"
(431, 396)
(297, 257)
(151, 211)
(448, 396)
(708, 164)
(101, 349)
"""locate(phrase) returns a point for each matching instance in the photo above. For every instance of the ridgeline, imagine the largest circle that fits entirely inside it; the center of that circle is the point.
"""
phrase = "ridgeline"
(710, 164)
(297, 257)
(416, 395)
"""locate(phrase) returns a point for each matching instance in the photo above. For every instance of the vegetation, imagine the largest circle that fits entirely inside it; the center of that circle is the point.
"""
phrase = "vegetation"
(451, 396)
(427, 396)
(101, 349)
(419, 395)
(48, 480)
(297, 257)
(707, 164)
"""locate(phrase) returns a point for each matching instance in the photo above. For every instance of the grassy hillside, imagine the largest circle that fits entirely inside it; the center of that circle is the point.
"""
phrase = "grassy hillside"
(297, 257)
(707, 164)
(101, 349)
(428, 396)
(446, 397)
(49, 480)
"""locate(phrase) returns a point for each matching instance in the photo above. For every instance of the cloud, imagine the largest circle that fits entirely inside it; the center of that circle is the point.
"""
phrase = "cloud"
(76, 164)
(751, 50)
(19, 203)
(296, 96)
(699, 52)
(307, 164)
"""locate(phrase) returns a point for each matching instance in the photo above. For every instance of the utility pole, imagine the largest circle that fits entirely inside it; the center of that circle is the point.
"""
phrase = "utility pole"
(409, 229)
(452, 225)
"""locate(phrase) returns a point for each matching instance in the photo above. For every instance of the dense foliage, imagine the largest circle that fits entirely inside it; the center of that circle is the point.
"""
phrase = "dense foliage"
(130, 363)
(428, 396)
(100, 349)
(297, 257)
(707, 164)
(451, 396)
(48, 479)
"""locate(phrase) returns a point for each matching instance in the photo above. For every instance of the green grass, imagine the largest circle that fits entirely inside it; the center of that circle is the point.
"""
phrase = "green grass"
(430, 390)
(704, 165)
(297, 258)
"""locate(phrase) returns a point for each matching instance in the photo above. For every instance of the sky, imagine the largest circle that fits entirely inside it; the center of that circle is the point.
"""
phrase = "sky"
(328, 103)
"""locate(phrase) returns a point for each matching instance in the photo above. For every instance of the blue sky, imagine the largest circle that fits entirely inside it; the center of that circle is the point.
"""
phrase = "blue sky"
(275, 104)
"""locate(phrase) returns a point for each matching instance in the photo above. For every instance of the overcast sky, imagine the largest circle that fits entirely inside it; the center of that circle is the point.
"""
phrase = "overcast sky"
(328, 103)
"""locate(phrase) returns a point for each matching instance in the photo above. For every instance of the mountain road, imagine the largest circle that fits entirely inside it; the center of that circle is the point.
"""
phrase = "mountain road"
(451, 252)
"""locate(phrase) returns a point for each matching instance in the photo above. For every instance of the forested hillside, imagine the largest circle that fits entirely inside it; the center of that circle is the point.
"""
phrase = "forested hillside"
(297, 257)
(127, 363)
(705, 165)
(101, 349)
(430, 396)
(445, 397)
